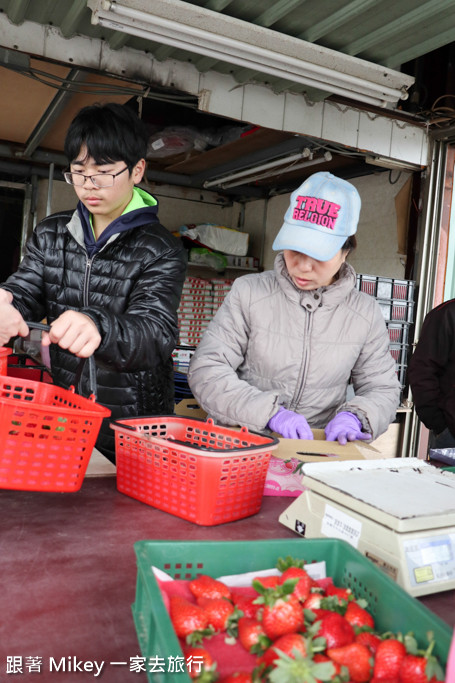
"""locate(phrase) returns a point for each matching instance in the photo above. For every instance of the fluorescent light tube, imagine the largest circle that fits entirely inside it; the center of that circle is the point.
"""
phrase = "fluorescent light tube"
(260, 167)
(207, 33)
(385, 162)
(262, 176)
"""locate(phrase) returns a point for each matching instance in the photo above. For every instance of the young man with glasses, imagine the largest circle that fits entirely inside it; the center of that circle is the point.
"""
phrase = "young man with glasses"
(107, 276)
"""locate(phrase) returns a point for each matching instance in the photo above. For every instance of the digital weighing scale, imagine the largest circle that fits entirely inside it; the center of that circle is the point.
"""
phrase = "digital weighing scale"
(400, 514)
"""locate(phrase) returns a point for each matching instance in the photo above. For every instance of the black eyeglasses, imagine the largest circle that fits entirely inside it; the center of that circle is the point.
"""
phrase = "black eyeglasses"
(99, 180)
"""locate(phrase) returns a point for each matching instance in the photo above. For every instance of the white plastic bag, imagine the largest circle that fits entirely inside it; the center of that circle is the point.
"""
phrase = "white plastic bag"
(219, 238)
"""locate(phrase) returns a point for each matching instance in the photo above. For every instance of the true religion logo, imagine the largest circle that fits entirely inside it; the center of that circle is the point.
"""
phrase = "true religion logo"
(317, 211)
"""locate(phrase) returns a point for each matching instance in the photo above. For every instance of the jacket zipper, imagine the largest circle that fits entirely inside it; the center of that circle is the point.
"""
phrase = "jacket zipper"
(301, 380)
(88, 269)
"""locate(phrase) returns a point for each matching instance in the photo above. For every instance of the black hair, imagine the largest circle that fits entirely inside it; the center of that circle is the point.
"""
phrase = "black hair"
(110, 132)
(350, 244)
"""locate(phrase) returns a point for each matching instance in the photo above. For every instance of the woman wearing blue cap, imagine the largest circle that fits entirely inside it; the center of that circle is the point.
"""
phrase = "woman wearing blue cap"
(286, 343)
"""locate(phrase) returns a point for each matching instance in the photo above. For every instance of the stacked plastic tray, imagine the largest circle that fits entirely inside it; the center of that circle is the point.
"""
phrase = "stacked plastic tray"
(195, 310)
(396, 301)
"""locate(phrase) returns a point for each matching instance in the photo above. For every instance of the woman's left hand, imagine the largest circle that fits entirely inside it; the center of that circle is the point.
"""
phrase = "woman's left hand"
(345, 427)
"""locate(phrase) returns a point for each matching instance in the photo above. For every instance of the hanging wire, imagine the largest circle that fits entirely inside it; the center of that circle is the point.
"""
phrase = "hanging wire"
(86, 87)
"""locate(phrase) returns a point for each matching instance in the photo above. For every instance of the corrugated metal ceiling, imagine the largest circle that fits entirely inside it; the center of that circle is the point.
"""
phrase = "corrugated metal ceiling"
(388, 33)
(385, 32)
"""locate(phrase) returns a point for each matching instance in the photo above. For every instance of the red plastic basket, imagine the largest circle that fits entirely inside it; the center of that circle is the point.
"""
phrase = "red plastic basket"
(202, 472)
(47, 435)
(24, 366)
(4, 353)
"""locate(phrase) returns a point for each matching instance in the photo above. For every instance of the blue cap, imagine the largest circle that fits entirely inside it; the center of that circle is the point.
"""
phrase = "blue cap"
(323, 213)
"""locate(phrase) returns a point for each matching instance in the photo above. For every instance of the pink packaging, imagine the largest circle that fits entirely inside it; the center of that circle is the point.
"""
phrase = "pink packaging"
(282, 480)
(450, 671)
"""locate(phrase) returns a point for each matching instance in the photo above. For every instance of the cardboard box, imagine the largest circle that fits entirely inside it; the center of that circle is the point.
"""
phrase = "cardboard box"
(318, 450)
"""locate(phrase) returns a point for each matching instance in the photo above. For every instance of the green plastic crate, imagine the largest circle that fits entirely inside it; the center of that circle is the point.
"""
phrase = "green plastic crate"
(392, 608)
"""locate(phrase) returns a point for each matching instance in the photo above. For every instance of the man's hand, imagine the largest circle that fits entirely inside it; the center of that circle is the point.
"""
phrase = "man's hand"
(12, 323)
(5, 297)
(73, 331)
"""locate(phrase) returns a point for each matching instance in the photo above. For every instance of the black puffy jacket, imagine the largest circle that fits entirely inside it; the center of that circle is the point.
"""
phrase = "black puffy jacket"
(130, 288)
(431, 371)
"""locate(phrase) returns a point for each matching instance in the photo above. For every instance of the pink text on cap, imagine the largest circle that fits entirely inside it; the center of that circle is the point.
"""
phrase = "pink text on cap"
(314, 210)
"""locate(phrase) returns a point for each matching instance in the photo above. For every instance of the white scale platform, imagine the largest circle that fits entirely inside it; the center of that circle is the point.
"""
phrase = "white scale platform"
(400, 514)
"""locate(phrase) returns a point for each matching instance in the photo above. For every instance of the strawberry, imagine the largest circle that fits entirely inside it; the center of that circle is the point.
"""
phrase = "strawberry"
(186, 617)
(339, 592)
(356, 657)
(198, 660)
(313, 601)
(220, 612)
(336, 630)
(267, 581)
(388, 658)
(419, 669)
(369, 639)
(252, 636)
(318, 614)
(245, 604)
(289, 644)
(283, 616)
(300, 669)
(207, 587)
(358, 616)
(384, 680)
(282, 612)
(293, 569)
(304, 581)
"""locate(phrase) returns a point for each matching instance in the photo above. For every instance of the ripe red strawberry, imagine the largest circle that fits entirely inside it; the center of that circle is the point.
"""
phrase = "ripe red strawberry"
(282, 612)
(358, 616)
(357, 658)
(304, 581)
(252, 636)
(339, 592)
(283, 615)
(336, 630)
(417, 669)
(245, 604)
(186, 617)
(313, 601)
(369, 639)
(267, 581)
(318, 613)
(292, 568)
(198, 660)
(207, 587)
(388, 658)
(219, 612)
(300, 668)
(385, 680)
(289, 644)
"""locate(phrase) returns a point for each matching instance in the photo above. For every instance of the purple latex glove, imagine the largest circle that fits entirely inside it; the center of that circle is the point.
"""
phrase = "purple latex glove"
(290, 425)
(345, 427)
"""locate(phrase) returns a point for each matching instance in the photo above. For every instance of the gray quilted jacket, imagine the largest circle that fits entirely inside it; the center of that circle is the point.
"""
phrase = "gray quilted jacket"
(271, 344)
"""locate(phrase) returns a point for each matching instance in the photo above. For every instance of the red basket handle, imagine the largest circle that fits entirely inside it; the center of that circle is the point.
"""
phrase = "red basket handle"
(79, 372)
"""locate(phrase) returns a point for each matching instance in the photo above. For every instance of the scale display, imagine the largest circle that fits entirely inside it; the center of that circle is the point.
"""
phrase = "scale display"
(430, 559)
